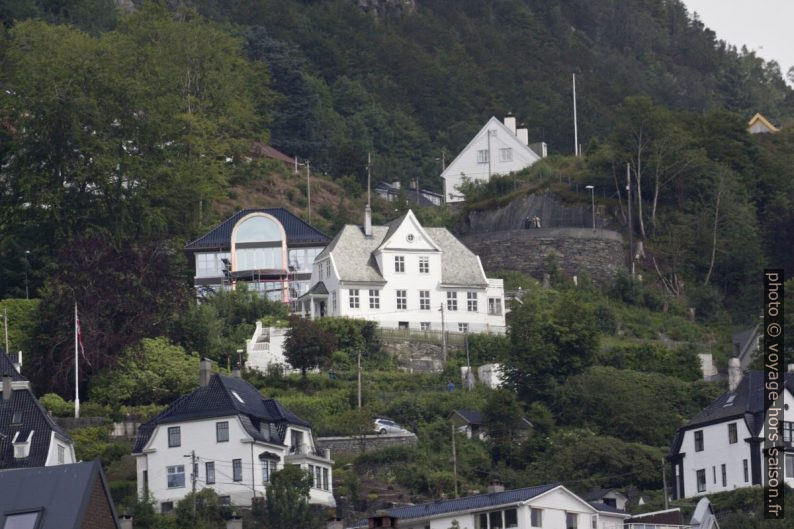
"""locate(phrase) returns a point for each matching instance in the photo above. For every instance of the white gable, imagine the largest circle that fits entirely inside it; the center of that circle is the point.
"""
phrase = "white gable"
(409, 236)
(562, 499)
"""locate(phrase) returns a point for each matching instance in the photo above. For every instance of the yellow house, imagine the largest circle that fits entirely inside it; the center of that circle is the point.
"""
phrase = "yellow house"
(760, 125)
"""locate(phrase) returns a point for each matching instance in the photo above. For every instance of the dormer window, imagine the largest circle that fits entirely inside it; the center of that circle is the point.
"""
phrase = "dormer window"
(16, 418)
(21, 448)
(238, 397)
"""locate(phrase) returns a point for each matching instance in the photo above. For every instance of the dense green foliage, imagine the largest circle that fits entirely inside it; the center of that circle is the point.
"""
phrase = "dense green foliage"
(287, 500)
(307, 345)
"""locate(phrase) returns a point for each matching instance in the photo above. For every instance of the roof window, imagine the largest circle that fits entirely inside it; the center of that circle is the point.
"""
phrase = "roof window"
(729, 402)
(238, 397)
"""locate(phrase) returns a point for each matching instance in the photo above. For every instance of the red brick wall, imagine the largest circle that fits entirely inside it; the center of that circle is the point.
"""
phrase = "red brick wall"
(98, 515)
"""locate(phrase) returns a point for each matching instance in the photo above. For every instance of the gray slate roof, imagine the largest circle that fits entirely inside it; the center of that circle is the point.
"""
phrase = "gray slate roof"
(24, 414)
(7, 367)
(353, 254)
(217, 399)
(61, 492)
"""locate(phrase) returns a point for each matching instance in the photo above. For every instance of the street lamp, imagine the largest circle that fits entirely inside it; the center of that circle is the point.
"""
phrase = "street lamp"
(592, 200)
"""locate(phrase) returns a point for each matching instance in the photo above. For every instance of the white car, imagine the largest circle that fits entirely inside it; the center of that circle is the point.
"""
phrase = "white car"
(387, 426)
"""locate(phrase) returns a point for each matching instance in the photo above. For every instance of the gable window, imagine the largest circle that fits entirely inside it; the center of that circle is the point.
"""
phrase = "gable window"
(700, 479)
(732, 435)
(463, 327)
(699, 441)
(536, 517)
(237, 469)
(209, 470)
(61, 454)
(174, 436)
(788, 432)
(175, 476)
(506, 155)
(495, 306)
(424, 300)
(424, 264)
(374, 299)
(399, 263)
(267, 468)
(724, 476)
(22, 520)
(402, 300)
(746, 471)
(354, 299)
(570, 520)
(222, 431)
(452, 301)
(471, 297)
(482, 156)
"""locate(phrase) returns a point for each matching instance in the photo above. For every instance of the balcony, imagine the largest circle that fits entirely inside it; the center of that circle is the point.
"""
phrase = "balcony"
(303, 452)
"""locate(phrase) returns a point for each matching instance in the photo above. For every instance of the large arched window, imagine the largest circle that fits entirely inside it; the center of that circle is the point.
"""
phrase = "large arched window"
(259, 243)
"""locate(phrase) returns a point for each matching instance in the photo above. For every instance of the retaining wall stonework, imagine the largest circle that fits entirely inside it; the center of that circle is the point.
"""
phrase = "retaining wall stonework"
(357, 445)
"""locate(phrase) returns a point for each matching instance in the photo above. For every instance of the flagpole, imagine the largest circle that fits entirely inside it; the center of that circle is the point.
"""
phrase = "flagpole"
(76, 369)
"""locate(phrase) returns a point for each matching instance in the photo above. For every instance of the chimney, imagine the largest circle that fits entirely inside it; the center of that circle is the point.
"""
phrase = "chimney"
(734, 373)
(205, 372)
(125, 521)
(522, 134)
(495, 486)
(510, 122)
(367, 221)
(6, 387)
(236, 372)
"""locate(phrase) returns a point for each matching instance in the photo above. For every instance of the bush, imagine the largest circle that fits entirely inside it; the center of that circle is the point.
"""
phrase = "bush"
(56, 404)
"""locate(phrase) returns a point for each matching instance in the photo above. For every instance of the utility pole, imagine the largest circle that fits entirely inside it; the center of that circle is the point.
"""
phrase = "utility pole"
(5, 326)
(359, 379)
(575, 129)
(193, 477)
(489, 154)
(369, 175)
(664, 483)
(309, 188)
(631, 225)
(469, 375)
(454, 460)
(443, 335)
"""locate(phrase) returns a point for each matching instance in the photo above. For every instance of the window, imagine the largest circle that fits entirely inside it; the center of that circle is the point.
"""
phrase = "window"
(511, 518)
(506, 155)
(238, 397)
(333, 301)
(174, 436)
(225, 500)
(790, 465)
(452, 301)
(724, 476)
(325, 480)
(176, 476)
(16, 417)
(700, 478)
(318, 477)
(267, 468)
(374, 299)
(237, 469)
(594, 522)
(570, 520)
(424, 264)
(732, 435)
(399, 263)
(61, 454)
(463, 327)
(714, 474)
(788, 431)
(402, 300)
(22, 520)
(166, 507)
(209, 470)
(536, 517)
(482, 156)
(495, 306)
(746, 471)
(424, 326)
(495, 520)
(699, 441)
(222, 431)
(354, 301)
(424, 300)
(471, 297)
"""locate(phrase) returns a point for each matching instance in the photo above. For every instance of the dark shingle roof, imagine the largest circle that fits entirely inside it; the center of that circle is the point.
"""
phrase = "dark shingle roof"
(223, 397)
(298, 231)
(481, 501)
(62, 493)
(470, 416)
(603, 507)
(24, 414)
(7, 367)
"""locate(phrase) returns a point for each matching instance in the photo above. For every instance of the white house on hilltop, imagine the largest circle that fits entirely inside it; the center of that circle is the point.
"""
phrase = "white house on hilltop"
(236, 439)
(405, 276)
(497, 149)
(722, 447)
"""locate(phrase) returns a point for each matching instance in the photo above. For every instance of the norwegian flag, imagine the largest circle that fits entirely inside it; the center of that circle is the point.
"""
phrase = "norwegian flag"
(79, 335)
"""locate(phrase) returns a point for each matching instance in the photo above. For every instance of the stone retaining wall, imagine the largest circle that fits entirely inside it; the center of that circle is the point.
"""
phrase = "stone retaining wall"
(357, 445)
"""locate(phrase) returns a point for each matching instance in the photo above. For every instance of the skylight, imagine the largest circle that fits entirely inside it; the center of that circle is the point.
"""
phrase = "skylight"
(23, 520)
(238, 397)
(729, 402)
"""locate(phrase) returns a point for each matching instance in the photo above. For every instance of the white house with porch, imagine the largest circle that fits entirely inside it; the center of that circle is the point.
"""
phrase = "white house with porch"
(497, 149)
(404, 275)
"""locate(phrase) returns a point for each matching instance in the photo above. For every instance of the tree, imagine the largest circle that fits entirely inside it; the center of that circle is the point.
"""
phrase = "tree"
(502, 415)
(307, 346)
(201, 510)
(287, 499)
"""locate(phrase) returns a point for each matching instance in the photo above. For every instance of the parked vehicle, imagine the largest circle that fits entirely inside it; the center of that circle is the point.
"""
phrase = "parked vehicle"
(388, 426)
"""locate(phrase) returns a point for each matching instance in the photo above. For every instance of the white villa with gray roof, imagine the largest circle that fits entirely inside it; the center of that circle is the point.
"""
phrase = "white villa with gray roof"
(406, 276)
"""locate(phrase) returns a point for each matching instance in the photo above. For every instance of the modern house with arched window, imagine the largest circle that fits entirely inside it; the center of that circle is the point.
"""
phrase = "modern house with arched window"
(270, 250)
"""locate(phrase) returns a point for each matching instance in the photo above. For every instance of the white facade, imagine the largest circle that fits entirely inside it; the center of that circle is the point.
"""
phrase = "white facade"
(497, 149)
(61, 451)
(266, 348)
(232, 467)
(407, 277)
(556, 509)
